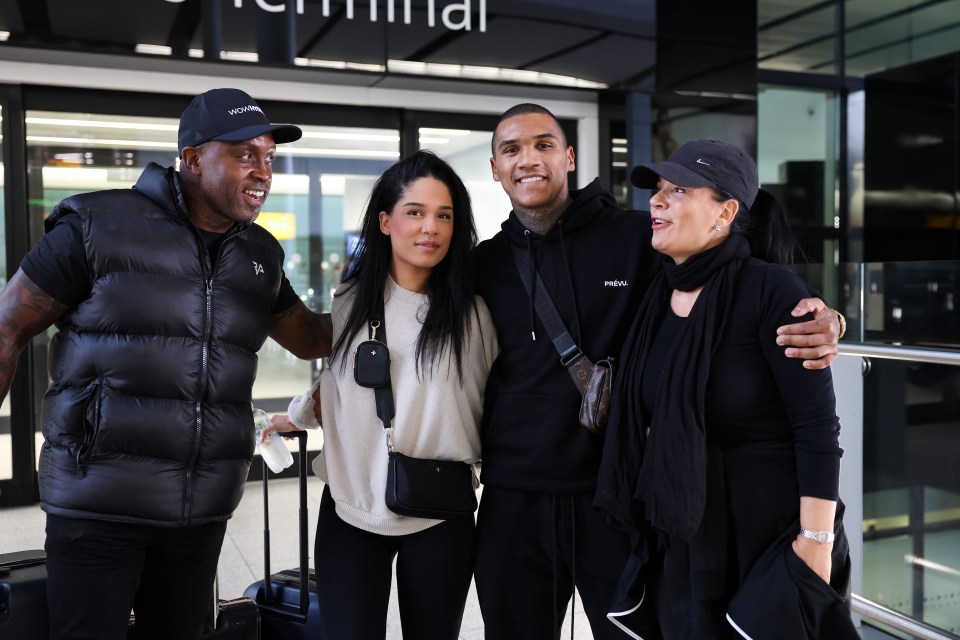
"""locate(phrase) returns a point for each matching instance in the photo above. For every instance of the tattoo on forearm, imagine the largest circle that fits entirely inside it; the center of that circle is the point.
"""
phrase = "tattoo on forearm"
(25, 311)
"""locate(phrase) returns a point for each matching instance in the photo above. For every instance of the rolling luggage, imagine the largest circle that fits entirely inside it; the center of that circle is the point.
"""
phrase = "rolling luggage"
(23, 604)
(236, 619)
(288, 599)
(23, 595)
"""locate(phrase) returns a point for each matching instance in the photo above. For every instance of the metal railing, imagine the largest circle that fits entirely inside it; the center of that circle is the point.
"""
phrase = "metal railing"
(898, 621)
(931, 356)
(869, 609)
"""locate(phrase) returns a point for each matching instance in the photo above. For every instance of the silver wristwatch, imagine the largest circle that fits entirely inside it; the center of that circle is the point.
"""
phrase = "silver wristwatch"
(823, 537)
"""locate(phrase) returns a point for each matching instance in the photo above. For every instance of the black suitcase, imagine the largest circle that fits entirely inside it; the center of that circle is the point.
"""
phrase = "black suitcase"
(236, 619)
(23, 595)
(288, 599)
(23, 604)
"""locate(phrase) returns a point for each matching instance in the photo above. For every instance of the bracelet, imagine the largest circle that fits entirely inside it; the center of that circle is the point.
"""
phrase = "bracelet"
(823, 537)
(843, 323)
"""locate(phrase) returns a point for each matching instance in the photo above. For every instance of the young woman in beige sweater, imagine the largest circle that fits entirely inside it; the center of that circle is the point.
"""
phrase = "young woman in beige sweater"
(414, 257)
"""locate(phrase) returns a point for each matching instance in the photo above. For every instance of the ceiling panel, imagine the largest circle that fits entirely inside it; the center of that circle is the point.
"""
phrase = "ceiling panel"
(635, 17)
(519, 41)
(610, 60)
(547, 33)
(350, 40)
(110, 21)
(801, 35)
(609, 41)
(10, 18)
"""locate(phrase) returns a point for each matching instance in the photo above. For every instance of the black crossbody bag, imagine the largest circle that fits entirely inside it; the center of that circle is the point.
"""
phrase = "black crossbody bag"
(594, 380)
(416, 487)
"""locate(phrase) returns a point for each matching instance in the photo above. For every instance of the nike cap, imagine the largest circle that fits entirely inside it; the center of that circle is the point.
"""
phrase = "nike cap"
(704, 163)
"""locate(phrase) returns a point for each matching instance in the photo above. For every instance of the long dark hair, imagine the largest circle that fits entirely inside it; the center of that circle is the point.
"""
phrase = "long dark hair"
(766, 227)
(450, 286)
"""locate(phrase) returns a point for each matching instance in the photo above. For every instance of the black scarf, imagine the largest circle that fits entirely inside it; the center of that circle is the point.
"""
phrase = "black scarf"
(660, 477)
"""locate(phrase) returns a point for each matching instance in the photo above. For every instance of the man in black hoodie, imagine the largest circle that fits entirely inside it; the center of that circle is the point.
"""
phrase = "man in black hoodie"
(538, 535)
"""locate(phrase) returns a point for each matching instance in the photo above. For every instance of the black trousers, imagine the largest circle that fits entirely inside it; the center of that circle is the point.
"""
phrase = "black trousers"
(354, 571)
(532, 549)
(97, 571)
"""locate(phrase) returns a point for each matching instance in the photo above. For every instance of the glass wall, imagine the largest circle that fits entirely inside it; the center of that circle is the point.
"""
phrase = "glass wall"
(884, 34)
(468, 152)
(797, 148)
(882, 161)
(6, 445)
(911, 489)
(908, 334)
(803, 35)
(319, 191)
(798, 35)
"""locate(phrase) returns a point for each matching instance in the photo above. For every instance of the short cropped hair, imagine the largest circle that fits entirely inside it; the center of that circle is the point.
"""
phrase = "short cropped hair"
(522, 109)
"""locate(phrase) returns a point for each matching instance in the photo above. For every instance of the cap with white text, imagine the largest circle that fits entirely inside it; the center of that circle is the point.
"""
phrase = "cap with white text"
(229, 115)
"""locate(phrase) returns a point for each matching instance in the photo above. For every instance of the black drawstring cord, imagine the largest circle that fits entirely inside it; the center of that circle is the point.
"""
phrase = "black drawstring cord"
(533, 283)
(573, 291)
(557, 516)
(573, 563)
(558, 531)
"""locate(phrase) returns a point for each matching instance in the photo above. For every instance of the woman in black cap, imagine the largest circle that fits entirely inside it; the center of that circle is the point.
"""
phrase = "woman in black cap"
(722, 457)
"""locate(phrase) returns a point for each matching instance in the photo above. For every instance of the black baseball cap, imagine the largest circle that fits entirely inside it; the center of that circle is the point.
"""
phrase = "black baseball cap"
(228, 114)
(704, 163)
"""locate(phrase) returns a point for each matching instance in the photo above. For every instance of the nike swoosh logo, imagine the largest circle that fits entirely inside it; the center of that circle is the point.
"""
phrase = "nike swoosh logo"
(699, 161)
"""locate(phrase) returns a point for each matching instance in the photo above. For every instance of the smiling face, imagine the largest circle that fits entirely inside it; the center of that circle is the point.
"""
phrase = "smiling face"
(531, 161)
(227, 182)
(420, 227)
(685, 219)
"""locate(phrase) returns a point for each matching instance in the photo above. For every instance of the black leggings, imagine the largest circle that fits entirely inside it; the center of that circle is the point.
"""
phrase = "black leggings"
(354, 572)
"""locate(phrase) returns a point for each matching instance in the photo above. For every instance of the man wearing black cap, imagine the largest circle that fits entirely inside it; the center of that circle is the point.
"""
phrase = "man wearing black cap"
(162, 294)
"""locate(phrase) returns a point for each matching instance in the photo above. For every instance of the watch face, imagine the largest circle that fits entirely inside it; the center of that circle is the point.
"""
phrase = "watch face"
(823, 537)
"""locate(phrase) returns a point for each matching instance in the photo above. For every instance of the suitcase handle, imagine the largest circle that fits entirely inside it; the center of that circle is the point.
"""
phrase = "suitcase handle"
(268, 602)
(22, 559)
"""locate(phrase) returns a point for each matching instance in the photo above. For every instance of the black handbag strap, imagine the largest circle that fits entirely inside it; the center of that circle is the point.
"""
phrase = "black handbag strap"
(383, 393)
(571, 357)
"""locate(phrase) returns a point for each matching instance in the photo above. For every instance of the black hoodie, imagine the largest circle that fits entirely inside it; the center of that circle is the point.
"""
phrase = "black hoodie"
(531, 439)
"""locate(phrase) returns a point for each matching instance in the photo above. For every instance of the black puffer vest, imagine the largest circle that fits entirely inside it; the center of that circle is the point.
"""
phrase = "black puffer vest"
(147, 419)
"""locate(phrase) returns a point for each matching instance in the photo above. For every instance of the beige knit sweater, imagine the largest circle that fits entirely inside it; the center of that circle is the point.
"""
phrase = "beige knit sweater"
(436, 417)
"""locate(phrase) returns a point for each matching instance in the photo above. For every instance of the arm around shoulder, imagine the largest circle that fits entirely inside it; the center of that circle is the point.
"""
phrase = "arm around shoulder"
(814, 341)
(302, 332)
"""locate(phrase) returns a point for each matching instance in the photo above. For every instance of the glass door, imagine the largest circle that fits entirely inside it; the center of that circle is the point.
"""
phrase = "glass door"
(468, 152)
(319, 190)
(18, 478)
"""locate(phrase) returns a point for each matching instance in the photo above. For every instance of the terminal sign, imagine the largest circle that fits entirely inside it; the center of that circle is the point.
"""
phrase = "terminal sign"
(455, 16)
